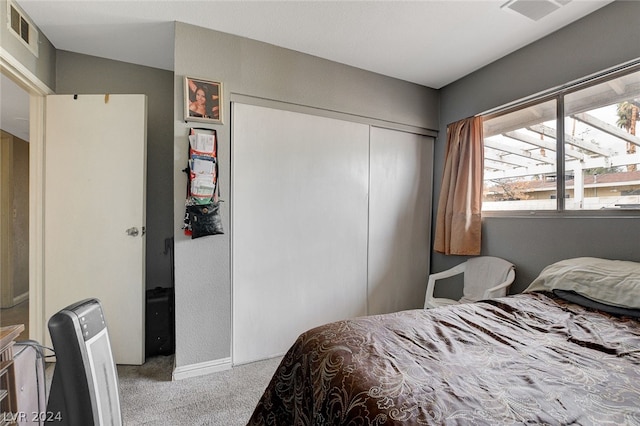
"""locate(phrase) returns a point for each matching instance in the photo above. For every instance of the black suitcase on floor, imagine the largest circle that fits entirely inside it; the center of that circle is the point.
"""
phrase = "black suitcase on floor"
(159, 330)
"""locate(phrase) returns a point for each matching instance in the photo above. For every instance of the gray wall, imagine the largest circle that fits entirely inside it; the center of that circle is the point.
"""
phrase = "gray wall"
(247, 67)
(42, 66)
(203, 294)
(82, 74)
(606, 38)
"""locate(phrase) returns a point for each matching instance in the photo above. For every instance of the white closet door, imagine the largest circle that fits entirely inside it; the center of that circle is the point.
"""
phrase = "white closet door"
(299, 234)
(399, 219)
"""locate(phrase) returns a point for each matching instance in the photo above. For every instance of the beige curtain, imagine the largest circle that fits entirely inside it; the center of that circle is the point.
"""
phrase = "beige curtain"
(458, 223)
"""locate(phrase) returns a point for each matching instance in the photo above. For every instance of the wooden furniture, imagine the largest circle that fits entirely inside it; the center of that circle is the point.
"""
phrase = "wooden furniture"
(8, 401)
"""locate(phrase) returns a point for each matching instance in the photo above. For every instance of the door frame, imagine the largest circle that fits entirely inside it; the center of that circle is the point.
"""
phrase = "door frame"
(37, 90)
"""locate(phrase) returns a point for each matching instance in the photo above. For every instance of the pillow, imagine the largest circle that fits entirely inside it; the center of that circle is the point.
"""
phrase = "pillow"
(573, 297)
(613, 282)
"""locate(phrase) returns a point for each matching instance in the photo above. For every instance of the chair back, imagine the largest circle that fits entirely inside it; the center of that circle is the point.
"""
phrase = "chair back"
(482, 273)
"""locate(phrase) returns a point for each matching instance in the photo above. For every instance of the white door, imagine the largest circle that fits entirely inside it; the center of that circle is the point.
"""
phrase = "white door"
(399, 219)
(95, 169)
(300, 186)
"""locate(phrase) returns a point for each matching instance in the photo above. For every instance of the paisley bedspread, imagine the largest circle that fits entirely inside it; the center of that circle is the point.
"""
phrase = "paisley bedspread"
(524, 359)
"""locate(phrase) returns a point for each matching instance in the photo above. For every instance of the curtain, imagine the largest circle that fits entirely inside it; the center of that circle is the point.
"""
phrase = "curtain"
(458, 221)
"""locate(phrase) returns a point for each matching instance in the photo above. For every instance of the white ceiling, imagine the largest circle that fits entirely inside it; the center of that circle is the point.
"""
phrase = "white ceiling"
(431, 43)
(427, 42)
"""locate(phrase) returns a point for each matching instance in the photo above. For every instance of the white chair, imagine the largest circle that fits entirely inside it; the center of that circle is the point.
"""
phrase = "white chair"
(485, 277)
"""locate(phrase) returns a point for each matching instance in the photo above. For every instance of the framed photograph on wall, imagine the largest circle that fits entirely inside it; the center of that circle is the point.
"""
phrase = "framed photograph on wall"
(202, 100)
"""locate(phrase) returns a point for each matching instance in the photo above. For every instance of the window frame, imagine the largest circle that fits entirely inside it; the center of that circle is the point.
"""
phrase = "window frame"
(558, 95)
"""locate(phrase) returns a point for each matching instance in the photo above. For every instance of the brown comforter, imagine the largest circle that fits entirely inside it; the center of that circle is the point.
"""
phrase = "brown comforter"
(529, 358)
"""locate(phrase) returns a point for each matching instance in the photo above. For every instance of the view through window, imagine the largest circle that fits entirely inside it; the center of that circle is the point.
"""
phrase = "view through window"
(601, 161)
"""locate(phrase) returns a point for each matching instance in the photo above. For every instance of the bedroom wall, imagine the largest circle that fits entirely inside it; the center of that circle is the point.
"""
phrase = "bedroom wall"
(605, 38)
(14, 226)
(78, 73)
(253, 69)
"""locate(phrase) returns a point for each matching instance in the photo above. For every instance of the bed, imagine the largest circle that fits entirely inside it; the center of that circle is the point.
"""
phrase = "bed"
(566, 351)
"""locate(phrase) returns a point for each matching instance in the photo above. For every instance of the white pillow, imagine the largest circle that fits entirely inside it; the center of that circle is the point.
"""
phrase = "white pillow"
(614, 282)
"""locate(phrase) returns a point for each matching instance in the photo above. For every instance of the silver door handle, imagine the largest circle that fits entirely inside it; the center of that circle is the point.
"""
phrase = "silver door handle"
(133, 232)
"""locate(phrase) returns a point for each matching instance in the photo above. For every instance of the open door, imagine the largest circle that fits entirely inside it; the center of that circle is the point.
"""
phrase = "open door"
(94, 212)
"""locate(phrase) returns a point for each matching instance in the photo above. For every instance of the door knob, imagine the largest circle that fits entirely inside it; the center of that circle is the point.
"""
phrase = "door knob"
(133, 232)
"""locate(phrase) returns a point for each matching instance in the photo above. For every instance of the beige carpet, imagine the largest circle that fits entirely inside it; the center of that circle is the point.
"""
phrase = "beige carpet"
(228, 398)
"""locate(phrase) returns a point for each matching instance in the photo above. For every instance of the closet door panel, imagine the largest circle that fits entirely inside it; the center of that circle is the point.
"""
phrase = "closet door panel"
(399, 219)
(299, 230)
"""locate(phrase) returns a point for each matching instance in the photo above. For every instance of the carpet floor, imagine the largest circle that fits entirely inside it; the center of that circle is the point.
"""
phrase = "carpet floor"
(149, 397)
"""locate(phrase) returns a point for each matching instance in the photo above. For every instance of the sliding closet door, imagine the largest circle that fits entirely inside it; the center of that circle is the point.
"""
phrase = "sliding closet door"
(399, 219)
(299, 229)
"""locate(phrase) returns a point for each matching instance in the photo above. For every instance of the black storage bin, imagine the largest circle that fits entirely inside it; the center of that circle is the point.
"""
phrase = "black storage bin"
(159, 330)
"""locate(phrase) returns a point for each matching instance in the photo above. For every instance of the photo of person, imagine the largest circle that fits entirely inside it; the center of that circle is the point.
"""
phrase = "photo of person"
(203, 100)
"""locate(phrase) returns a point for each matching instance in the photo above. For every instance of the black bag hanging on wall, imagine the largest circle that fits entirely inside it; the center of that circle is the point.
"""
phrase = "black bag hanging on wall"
(204, 219)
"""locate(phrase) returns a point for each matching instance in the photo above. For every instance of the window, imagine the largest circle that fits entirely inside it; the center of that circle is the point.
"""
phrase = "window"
(593, 146)
(520, 159)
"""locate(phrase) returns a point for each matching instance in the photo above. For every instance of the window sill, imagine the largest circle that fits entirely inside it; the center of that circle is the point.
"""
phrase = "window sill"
(626, 212)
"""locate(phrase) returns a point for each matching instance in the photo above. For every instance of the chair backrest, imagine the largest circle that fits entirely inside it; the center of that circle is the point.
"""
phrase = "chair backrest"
(482, 273)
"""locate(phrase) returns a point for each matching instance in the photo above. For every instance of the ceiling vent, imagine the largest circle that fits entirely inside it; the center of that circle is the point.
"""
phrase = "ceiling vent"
(22, 27)
(534, 9)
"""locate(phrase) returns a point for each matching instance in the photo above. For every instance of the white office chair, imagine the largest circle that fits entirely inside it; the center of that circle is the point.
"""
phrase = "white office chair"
(485, 277)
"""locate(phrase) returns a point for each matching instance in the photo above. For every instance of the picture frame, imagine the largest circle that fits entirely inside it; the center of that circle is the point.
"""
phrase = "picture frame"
(202, 100)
